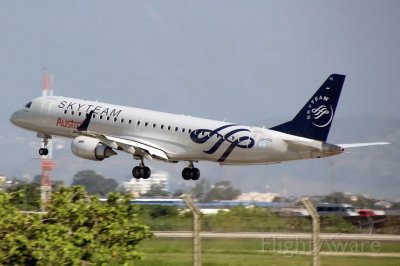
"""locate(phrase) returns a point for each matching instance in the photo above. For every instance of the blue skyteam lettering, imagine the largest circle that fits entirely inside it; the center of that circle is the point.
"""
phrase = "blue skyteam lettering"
(201, 136)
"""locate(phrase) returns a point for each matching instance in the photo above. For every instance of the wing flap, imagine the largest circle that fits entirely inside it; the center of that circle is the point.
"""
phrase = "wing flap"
(152, 151)
(128, 145)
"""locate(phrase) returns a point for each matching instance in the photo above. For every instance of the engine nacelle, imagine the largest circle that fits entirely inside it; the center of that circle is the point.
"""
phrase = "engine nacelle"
(91, 148)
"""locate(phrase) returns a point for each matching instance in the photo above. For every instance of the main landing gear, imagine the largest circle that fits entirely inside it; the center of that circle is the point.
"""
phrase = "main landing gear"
(141, 171)
(191, 173)
(44, 151)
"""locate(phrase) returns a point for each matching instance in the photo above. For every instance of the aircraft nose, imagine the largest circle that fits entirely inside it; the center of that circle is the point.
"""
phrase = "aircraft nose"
(15, 117)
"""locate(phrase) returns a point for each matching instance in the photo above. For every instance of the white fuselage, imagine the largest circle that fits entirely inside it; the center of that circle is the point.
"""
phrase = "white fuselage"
(182, 138)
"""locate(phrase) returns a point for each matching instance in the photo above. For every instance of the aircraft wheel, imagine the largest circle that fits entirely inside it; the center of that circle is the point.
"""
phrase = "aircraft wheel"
(136, 172)
(186, 173)
(43, 151)
(195, 174)
(141, 172)
(146, 172)
(191, 173)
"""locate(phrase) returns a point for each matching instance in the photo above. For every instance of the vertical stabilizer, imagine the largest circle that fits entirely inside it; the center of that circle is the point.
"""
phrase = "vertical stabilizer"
(315, 119)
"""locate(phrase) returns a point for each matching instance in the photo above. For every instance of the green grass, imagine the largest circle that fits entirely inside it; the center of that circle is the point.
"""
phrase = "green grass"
(235, 252)
(232, 246)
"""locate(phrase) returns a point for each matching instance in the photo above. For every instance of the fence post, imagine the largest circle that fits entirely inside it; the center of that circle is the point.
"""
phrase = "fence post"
(196, 229)
(316, 229)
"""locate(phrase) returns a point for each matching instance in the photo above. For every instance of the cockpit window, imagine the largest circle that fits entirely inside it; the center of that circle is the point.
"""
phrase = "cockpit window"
(28, 105)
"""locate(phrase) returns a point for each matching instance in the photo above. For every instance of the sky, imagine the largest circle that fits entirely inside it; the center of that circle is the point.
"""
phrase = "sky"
(250, 62)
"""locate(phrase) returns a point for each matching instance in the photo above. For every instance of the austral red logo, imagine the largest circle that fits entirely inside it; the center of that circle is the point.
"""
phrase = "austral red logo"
(68, 123)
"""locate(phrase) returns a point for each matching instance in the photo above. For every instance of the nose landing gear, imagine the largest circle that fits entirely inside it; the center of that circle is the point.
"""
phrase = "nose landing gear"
(44, 151)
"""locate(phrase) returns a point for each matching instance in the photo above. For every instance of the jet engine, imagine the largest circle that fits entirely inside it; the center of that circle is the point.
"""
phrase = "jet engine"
(91, 148)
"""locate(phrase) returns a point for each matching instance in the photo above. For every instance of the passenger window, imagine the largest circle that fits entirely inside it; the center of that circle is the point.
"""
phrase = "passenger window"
(145, 124)
(122, 120)
(183, 130)
(138, 123)
(65, 111)
(130, 121)
(101, 117)
(72, 112)
(115, 119)
(162, 126)
(28, 105)
(108, 118)
(169, 127)
(189, 131)
(94, 116)
(79, 113)
(176, 128)
(154, 125)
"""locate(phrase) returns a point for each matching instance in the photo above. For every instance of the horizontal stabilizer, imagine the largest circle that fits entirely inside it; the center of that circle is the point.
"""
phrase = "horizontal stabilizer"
(355, 145)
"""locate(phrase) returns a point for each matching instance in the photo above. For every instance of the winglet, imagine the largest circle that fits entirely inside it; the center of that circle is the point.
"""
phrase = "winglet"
(85, 124)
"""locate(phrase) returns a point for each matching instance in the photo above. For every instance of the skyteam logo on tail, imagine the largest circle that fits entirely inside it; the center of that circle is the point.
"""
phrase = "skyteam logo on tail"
(314, 120)
(320, 111)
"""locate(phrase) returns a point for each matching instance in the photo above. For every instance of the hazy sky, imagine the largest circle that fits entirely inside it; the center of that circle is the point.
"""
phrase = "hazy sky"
(252, 62)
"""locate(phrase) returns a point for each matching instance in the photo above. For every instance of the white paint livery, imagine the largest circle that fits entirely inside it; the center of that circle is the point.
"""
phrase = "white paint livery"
(99, 129)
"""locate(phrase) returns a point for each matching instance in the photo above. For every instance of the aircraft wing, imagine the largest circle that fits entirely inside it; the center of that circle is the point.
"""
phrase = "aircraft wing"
(127, 144)
(130, 145)
(355, 145)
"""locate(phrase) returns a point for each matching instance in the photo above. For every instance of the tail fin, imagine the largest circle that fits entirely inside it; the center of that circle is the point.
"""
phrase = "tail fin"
(315, 118)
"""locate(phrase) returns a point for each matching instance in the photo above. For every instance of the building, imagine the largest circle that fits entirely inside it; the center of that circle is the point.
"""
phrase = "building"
(138, 187)
(257, 197)
(383, 204)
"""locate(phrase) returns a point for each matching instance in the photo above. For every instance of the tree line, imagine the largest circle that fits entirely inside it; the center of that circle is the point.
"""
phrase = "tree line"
(97, 184)
(76, 229)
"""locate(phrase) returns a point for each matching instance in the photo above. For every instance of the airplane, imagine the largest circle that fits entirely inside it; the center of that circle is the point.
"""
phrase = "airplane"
(100, 129)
